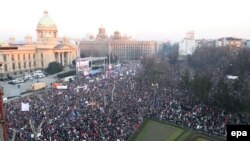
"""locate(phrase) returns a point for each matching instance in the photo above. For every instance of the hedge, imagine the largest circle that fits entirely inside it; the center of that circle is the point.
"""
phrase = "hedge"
(66, 74)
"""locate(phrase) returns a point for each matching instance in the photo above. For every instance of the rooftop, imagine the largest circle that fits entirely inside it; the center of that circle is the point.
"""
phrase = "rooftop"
(93, 58)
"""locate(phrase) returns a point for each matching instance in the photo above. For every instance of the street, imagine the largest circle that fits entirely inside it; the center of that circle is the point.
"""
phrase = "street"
(8, 89)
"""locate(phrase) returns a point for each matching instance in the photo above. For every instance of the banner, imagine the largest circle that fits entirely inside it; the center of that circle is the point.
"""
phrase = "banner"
(25, 106)
(62, 87)
(82, 66)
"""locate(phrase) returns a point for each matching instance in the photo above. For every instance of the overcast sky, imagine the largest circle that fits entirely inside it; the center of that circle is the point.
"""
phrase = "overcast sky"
(141, 19)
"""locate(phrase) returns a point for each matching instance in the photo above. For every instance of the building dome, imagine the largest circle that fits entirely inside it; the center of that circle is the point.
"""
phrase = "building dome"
(46, 21)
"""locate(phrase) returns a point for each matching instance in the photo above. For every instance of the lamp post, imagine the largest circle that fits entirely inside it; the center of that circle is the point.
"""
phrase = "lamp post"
(113, 91)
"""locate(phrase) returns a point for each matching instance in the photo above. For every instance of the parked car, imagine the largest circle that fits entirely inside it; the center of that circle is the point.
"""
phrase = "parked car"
(10, 77)
(19, 80)
(12, 82)
(4, 79)
(41, 75)
(28, 77)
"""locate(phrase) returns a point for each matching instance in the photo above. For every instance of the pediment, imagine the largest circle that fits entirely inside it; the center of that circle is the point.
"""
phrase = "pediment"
(64, 46)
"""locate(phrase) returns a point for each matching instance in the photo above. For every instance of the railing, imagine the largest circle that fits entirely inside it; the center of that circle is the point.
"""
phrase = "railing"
(173, 123)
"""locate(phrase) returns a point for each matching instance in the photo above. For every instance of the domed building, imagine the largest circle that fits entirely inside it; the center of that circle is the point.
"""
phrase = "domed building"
(46, 31)
(15, 59)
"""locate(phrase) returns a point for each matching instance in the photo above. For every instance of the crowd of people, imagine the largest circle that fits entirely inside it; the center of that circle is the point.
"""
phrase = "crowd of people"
(111, 108)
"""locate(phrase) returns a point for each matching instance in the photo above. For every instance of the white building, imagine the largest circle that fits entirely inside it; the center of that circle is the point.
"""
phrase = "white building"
(246, 43)
(231, 42)
(187, 45)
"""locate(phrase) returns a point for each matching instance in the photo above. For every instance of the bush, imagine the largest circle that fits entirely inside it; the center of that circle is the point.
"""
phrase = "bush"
(54, 67)
(66, 74)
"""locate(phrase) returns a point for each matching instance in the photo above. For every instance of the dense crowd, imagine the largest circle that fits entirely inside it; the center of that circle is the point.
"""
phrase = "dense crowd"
(111, 108)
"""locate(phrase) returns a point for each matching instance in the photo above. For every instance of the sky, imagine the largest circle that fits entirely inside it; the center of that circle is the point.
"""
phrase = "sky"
(141, 19)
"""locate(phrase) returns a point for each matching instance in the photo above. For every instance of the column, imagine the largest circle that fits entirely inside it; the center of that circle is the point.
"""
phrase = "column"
(10, 67)
(62, 58)
(67, 58)
(59, 57)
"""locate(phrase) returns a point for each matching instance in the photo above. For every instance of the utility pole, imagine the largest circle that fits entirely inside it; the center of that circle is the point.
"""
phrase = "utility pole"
(3, 130)
(113, 92)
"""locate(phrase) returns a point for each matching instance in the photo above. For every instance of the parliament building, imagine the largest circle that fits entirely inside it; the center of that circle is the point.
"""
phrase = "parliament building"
(15, 59)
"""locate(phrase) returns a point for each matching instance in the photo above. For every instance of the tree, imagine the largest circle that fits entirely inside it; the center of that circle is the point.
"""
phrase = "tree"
(155, 70)
(185, 81)
(200, 87)
(54, 67)
(173, 56)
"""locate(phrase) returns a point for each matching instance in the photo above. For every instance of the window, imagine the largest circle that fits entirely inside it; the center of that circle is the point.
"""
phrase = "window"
(4, 57)
(34, 63)
(29, 57)
(19, 65)
(14, 66)
(41, 55)
(42, 64)
(5, 67)
(34, 57)
(29, 64)
(24, 64)
(12, 57)
(18, 57)
(23, 56)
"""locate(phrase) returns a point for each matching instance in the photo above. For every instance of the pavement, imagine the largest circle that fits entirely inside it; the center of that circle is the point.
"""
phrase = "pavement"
(11, 90)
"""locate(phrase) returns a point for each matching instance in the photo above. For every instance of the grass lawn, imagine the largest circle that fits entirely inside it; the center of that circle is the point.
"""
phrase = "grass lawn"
(158, 131)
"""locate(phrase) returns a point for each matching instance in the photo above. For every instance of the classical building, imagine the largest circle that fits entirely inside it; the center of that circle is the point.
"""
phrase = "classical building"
(117, 45)
(187, 45)
(15, 59)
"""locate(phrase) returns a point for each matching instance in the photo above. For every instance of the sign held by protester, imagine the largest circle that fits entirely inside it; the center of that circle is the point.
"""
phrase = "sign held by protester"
(25, 106)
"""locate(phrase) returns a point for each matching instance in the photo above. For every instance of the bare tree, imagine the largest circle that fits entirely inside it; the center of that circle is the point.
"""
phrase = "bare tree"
(37, 130)
(13, 135)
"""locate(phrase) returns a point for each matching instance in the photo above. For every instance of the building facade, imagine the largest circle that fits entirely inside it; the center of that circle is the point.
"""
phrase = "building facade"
(246, 43)
(15, 59)
(229, 42)
(117, 45)
(205, 43)
(187, 45)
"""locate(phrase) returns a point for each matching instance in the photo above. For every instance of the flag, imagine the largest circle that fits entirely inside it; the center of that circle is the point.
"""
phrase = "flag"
(62, 87)
(102, 109)
(25, 106)
(139, 100)
(91, 104)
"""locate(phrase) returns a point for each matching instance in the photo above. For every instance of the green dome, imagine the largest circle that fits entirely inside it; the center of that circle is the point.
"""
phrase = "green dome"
(46, 21)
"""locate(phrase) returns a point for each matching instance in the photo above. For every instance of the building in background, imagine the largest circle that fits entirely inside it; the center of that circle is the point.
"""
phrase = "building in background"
(118, 46)
(246, 43)
(187, 45)
(230, 42)
(17, 58)
(169, 48)
(205, 43)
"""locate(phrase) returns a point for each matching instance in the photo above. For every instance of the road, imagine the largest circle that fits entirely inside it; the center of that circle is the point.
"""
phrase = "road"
(9, 89)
